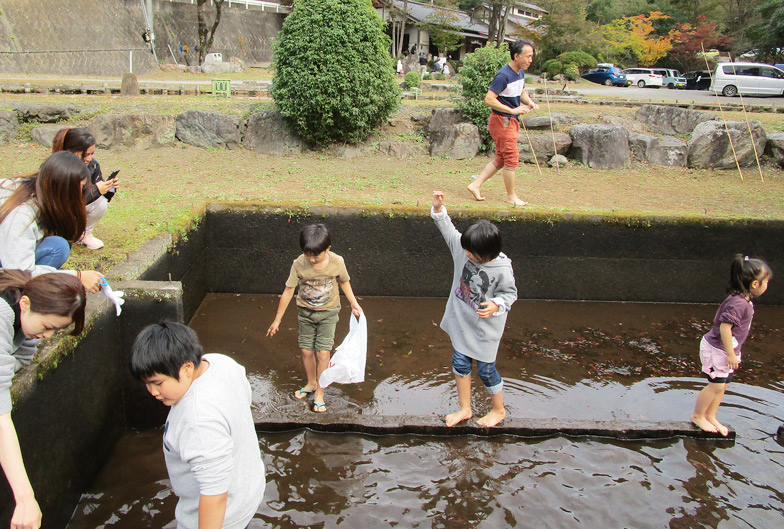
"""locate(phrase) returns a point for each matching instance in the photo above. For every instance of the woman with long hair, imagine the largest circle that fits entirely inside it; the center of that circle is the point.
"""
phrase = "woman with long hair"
(41, 215)
(31, 308)
(97, 191)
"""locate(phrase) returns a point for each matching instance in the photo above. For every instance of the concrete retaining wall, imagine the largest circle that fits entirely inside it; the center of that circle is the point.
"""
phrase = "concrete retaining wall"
(76, 37)
(400, 253)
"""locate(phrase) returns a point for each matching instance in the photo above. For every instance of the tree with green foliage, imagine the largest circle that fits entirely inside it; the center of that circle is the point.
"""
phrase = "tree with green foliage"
(476, 75)
(767, 36)
(580, 59)
(441, 24)
(564, 29)
(334, 78)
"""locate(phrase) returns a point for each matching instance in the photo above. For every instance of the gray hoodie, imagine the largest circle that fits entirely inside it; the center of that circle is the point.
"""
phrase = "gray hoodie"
(473, 284)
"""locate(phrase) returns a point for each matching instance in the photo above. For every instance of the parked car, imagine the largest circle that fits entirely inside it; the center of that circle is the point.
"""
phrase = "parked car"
(698, 80)
(606, 75)
(643, 77)
(671, 78)
(753, 78)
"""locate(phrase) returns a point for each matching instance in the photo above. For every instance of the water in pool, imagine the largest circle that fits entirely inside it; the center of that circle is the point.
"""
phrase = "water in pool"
(571, 360)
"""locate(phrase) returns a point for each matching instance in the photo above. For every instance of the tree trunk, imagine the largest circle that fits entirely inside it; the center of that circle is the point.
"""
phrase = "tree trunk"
(402, 30)
(206, 36)
(502, 25)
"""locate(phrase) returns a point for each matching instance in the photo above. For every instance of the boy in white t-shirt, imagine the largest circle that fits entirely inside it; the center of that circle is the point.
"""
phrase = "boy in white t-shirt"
(209, 443)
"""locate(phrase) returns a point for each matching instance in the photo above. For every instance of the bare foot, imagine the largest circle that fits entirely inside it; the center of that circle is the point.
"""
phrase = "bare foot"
(723, 430)
(703, 424)
(458, 416)
(475, 191)
(516, 201)
(492, 418)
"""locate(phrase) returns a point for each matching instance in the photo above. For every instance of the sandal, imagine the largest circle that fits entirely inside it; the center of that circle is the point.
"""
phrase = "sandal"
(319, 407)
(302, 393)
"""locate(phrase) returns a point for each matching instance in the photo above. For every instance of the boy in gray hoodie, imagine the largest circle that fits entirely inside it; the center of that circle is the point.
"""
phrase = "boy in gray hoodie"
(483, 290)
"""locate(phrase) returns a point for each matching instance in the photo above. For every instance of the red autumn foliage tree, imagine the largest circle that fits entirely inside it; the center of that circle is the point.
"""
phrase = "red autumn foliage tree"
(688, 41)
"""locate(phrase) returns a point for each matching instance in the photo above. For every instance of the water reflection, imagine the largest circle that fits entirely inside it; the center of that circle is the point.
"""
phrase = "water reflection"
(575, 361)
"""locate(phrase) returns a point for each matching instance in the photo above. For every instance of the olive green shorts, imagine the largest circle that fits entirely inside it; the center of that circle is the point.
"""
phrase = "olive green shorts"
(317, 328)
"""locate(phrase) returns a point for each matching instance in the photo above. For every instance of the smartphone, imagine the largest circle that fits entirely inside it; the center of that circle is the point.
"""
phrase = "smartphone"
(111, 177)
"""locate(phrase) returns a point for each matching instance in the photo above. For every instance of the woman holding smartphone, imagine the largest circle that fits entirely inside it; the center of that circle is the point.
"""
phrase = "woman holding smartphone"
(97, 192)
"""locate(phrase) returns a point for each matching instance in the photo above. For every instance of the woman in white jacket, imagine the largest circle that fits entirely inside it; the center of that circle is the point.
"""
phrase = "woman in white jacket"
(30, 309)
(42, 214)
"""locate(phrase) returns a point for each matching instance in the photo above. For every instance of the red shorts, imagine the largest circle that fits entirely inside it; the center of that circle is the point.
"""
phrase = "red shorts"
(505, 131)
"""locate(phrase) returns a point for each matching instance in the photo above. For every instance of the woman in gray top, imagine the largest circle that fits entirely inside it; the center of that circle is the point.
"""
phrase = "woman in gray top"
(30, 309)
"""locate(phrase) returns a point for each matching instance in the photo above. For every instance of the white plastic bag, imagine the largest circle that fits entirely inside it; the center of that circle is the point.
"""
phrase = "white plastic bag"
(347, 365)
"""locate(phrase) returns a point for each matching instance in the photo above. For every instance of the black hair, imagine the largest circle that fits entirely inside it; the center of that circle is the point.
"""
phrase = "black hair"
(483, 239)
(314, 239)
(517, 47)
(163, 348)
(745, 270)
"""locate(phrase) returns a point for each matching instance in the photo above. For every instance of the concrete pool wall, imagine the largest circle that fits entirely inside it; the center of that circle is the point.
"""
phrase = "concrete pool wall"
(73, 403)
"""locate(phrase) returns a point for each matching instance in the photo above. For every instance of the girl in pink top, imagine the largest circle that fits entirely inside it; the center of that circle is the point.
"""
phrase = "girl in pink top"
(720, 348)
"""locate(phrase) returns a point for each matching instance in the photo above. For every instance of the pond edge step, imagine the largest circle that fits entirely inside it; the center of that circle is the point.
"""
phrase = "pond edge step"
(529, 428)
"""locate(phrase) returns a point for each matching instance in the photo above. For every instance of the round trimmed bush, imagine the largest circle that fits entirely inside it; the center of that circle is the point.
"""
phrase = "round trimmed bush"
(572, 72)
(553, 67)
(476, 75)
(334, 79)
(412, 79)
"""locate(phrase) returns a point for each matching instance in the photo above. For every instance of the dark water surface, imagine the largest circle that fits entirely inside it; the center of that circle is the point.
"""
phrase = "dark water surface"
(559, 359)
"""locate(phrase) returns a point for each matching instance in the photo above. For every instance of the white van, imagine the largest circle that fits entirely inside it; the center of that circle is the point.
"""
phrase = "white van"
(643, 77)
(752, 78)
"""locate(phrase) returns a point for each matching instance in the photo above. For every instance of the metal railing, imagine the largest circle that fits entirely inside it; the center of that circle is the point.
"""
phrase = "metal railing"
(265, 6)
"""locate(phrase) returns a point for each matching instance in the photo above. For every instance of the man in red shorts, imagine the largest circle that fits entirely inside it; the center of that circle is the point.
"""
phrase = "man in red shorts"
(508, 99)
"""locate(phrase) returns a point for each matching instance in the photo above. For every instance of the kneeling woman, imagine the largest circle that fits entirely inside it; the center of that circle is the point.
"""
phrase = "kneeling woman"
(97, 191)
(41, 214)
(30, 309)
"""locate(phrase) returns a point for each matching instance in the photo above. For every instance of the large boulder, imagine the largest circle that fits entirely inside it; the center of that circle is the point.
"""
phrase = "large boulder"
(9, 126)
(540, 123)
(45, 134)
(400, 150)
(209, 129)
(672, 120)
(443, 118)
(45, 113)
(668, 151)
(457, 141)
(629, 124)
(543, 146)
(640, 144)
(267, 132)
(220, 68)
(775, 147)
(600, 146)
(710, 147)
(141, 131)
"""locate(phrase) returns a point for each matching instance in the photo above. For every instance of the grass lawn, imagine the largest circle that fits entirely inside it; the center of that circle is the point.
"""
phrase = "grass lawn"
(165, 189)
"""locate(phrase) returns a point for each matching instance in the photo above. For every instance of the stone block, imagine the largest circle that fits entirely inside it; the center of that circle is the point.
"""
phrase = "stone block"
(600, 146)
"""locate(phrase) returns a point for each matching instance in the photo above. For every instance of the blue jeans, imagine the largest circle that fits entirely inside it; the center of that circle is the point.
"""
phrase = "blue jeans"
(461, 366)
(52, 251)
